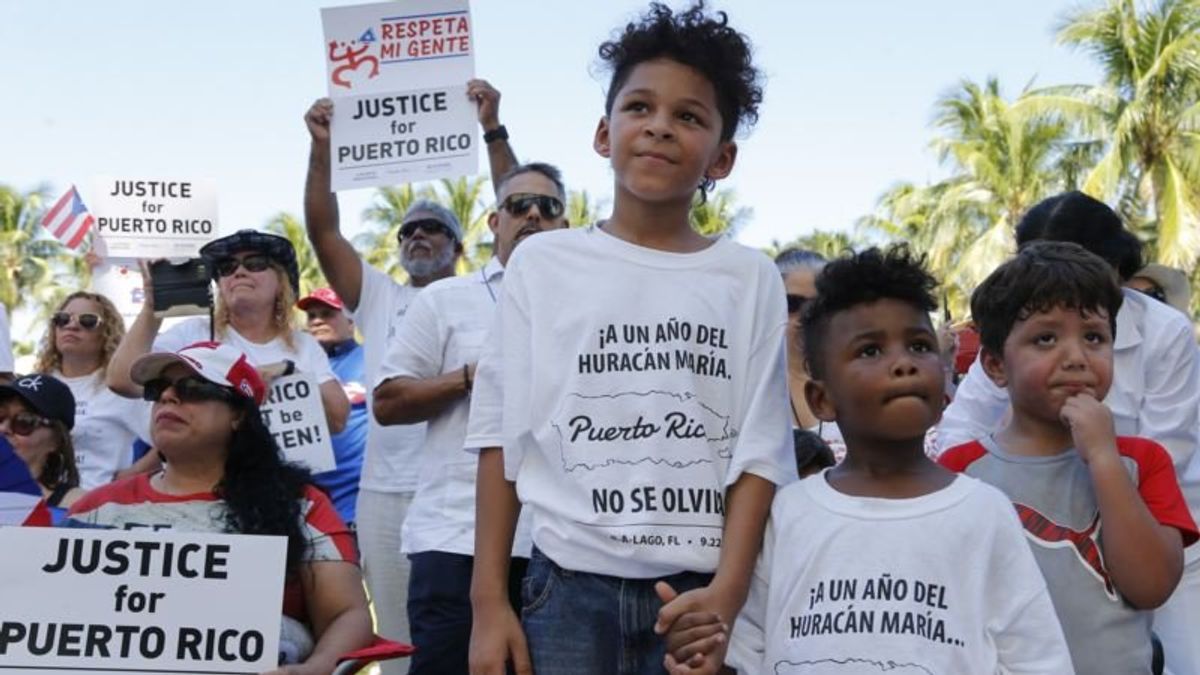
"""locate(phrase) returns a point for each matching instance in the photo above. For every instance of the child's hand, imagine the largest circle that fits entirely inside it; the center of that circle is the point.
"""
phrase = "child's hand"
(695, 634)
(1091, 425)
(496, 639)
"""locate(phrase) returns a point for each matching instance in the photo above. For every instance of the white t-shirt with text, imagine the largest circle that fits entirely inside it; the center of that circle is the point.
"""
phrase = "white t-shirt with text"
(942, 583)
(636, 386)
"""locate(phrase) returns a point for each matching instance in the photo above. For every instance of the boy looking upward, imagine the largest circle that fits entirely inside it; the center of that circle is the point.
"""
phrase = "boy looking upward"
(639, 369)
(1102, 513)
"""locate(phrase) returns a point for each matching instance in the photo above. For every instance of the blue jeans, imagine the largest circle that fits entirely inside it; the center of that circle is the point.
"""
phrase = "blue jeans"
(578, 623)
(439, 610)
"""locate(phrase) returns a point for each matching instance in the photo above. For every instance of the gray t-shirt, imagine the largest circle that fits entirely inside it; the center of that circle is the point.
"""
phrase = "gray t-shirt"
(1056, 503)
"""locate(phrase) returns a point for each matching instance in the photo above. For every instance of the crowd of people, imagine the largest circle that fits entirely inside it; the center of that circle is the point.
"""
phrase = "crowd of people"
(624, 447)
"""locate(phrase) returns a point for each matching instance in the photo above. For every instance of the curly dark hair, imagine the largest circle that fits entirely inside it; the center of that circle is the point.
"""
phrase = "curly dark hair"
(858, 279)
(692, 38)
(1043, 275)
(263, 493)
(1078, 218)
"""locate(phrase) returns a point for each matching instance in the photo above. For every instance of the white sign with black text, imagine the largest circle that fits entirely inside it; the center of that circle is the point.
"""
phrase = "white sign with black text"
(154, 217)
(296, 417)
(126, 601)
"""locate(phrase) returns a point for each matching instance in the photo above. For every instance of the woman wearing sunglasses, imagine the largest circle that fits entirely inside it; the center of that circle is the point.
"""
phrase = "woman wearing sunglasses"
(36, 416)
(257, 284)
(223, 472)
(83, 334)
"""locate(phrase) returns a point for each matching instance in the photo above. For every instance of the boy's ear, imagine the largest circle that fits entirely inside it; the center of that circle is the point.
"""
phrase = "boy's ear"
(722, 164)
(993, 365)
(819, 402)
(600, 142)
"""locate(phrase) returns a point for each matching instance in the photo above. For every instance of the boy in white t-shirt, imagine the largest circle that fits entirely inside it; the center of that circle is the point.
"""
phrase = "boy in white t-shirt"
(886, 561)
(640, 371)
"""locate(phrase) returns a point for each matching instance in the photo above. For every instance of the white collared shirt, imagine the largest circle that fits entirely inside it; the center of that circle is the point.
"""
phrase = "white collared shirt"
(1155, 392)
(446, 328)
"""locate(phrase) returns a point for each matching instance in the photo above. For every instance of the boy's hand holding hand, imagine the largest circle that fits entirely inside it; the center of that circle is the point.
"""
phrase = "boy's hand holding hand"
(496, 639)
(1092, 430)
(696, 636)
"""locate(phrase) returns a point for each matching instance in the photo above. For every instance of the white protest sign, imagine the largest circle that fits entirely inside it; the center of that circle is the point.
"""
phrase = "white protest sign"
(294, 414)
(397, 73)
(120, 280)
(154, 217)
(139, 600)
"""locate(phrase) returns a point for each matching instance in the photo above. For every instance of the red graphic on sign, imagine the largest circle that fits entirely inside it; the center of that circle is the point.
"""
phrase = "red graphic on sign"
(353, 59)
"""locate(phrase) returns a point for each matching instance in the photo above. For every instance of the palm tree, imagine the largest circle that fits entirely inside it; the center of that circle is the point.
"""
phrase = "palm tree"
(830, 244)
(26, 259)
(582, 209)
(1004, 157)
(290, 227)
(718, 215)
(1147, 109)
(464, 197)
(381, 244)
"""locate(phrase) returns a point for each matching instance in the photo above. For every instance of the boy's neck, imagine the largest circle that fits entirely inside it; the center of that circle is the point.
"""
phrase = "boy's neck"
(891, 470)
(659, 225)
(1033, 437)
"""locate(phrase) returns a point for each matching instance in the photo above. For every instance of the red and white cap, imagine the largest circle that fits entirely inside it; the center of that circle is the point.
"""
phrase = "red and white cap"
(324, 295)
(218, 363)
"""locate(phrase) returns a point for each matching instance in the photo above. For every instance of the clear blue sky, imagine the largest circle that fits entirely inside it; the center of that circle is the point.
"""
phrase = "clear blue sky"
(218, 89)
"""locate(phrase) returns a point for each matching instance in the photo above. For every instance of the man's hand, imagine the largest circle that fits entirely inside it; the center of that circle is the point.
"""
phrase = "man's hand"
(497, 638)
(1091, 425)
(317, 118)
(487, 102)
(696, 636)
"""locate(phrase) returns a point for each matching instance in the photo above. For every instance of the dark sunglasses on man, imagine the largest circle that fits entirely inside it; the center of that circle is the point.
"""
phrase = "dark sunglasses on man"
(1155, 291)
(24, 423)
(426, 225)
(86, 320)
(255, 262)
(519, 203)
(188, 389)
(796, 303)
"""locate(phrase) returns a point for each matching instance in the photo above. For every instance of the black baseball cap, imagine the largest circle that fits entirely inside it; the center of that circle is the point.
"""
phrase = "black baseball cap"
(275, 247)
(47, 395)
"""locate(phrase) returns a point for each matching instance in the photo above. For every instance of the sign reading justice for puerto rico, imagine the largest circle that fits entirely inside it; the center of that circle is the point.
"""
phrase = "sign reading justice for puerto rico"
(154, 217)
(397, 73)
(138, 601)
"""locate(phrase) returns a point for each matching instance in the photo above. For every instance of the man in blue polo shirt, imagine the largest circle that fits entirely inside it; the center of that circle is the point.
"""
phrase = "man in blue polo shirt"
(333, 328)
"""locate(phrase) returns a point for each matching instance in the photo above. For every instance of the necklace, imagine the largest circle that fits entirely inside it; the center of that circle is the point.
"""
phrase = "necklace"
(488, 285)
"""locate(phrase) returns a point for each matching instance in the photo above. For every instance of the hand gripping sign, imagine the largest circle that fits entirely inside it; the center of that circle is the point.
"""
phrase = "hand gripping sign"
(139, 601)
(397, 73)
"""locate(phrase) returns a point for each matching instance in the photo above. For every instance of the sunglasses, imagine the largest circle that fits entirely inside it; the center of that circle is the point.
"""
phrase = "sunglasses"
(1155, 292)
(427, 225)
(86, 321)
(24, 423)
(255, 262)
(189, 389)
(518, 204)
(796, 303)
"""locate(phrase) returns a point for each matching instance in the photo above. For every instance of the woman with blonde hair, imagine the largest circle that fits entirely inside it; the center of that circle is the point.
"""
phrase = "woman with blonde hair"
(81, 339)
(257, 283)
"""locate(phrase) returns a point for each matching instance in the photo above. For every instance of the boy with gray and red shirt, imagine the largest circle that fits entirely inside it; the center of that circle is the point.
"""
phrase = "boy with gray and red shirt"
(1103, 514)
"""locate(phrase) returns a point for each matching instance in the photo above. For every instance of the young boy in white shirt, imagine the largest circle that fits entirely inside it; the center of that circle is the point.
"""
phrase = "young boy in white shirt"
(887, 561)
(641, 372)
